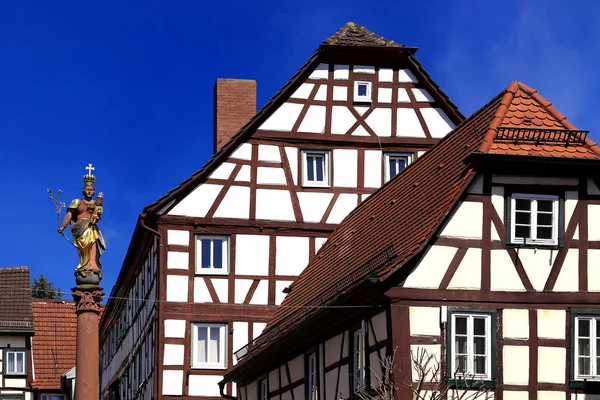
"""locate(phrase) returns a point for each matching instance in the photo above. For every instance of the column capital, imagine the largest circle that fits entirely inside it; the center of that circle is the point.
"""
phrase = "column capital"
(87, 298)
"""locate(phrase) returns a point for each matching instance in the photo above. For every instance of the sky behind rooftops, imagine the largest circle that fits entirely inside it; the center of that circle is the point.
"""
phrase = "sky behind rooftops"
(128, 87)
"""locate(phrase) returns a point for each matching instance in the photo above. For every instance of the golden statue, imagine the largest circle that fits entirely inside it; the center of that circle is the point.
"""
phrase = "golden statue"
(83, 215)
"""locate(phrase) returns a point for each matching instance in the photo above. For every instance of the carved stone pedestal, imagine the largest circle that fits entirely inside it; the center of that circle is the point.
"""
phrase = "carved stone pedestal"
(87, 307)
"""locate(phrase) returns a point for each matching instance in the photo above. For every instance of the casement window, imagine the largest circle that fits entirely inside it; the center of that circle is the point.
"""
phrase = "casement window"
(587, 349)
(362, 91)
(15, 362)
(315, 168)
(263, 389)
(534, 219)
(208, 345)
(470, 347)
(312, 391)
(52, 397)
(394, 163)
(212, 254)
(359, 355)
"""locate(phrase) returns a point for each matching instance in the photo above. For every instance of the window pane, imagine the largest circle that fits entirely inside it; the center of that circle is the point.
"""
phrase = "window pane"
(461, 325)
(460, 364)
(205, 244)
(319, 162)
(215, 345)
(362, 89)
(523, 218)
(584, 347)
(217, 253)
(544, 205)
(20, 362)
(584, 365)
(202, 344)
(393, 170)
(544, 219)
(480, 364)
(310, 168)
(523, 204)
(584, 327)
(479, 326)
(544, 232)
(460, 344)
(522, 231)
(479, 345)
(11, 362)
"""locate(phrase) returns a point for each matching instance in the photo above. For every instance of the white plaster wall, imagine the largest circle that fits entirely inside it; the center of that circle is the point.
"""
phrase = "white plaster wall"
(173, 354)
(384, 95)
(320, 72)
(341, 120)
(333, 347)
(515, 395)
(344, 387)
(403, 96)
(468, 274)
(498, 202)
(178, 260)
(424, 321)
(432, 350)
(343, 206)
(244, 174)
(551, 324)
(516, 365)
(570, 203)
(274, 205)
(340, 72)
(242, 286)
(177, 288)
(271, 176)
(240, 336)
(345, 163)
(593, 271)
(422, 95)
(172, 383)
(551, 364)
(14, 382)
(408, 124)
(257, 329)
(251, 254)
(466, 222)
(292, 255)
(319, 242)
(221, 288)
(314, 120)
(198, 202)
(296, 366)
(431, 269)
(279, 295)
(380, 121)
(268, 153)
(201, 293)
(243, 152)
(11, 341)
(437, 121)
(373, 168)
(379, 322)
(503, 274)
(204, 385)
(405, 75)
(551, 395)
(174, 328)
(283, 118)
(176, 237)
(568, 277)
(386, 75)
(313, 205)
(515, 324)
(593, 218)
(235, 204)
(292, 156)
(321, 94)
(340, 93)
(261, 295)
(364, 69)
(420, 154)
(537, 263)
(303, 92)
(223, 171)
(252, 391)
(273, 379)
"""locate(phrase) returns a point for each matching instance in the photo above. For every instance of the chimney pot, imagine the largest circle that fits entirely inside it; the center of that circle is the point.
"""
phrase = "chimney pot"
(234, 105)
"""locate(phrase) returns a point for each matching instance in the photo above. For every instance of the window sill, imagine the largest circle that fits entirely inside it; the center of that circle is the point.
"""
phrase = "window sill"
(208, 367)
(590, 386)
(472, 383)
(208, 272)
(9, 375)
(315, 186)
(541, 246)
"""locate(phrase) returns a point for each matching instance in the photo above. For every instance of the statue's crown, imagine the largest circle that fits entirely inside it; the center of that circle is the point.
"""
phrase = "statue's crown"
(88, 178)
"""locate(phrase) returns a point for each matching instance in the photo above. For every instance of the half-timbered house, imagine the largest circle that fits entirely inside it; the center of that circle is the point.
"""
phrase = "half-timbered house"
(484, 253)
(210, 261)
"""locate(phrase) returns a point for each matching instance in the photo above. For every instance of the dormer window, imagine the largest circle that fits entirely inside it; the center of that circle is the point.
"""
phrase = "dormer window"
(362, 91)
(534, 219)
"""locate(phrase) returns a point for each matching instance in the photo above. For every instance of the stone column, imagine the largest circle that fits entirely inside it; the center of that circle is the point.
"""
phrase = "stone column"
(87, 307)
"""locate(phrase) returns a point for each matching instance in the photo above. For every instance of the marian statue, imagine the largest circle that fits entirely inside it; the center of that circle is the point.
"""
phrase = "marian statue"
(83, 215)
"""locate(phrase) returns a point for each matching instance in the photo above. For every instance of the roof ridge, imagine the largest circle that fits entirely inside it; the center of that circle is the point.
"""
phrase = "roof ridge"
(352, 34)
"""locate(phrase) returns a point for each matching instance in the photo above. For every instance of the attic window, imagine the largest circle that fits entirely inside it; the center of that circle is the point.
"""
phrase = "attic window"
(362, 91)
(534, 219)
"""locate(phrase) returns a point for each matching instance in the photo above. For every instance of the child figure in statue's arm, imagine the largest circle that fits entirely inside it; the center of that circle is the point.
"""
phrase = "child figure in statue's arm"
(98, 209)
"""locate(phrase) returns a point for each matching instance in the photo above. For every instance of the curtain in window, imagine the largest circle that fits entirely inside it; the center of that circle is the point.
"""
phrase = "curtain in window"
(208, 345)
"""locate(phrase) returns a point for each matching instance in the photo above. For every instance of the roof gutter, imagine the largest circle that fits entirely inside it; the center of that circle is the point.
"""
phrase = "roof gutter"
(222, 391)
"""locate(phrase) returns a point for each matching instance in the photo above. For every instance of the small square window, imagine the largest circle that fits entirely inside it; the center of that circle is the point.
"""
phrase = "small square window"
(471, 346)
(208, 346)
(534, 219)
(362, 91)
(15, 362)
(212, 255)
(315, 168)
(394, 163)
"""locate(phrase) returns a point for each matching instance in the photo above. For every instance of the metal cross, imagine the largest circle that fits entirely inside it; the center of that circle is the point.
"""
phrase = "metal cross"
(90, 169)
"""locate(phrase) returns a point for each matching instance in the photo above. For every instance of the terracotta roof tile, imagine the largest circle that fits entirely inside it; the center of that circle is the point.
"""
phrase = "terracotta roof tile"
(355, 35)
(54, 341)
(384, 232)
(15, 300)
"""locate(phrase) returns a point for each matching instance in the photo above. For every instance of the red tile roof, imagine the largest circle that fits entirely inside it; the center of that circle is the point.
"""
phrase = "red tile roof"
(395, 223)
(15, 300)
(54, 341)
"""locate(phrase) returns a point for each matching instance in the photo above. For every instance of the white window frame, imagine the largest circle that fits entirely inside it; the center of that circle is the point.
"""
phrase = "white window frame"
(49, 396)
(534, 198)
(222, 346)
(406, 156)
(263, 389)
(225, 256)
(5, 361)
(470, 353)
(326, 168)
(312, 387)
(363, 99)
(359, 367)
(594, 375)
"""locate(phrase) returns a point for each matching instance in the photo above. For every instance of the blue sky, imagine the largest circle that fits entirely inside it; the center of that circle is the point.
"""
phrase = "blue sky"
(127, 86)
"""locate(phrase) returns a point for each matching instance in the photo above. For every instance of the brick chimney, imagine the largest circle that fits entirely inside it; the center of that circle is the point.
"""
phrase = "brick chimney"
(234, 105)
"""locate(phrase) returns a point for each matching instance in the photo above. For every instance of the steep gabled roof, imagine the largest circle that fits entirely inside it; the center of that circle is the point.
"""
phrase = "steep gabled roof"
(54, 344)
(395, 223)
(356, 35)
(15, 300)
